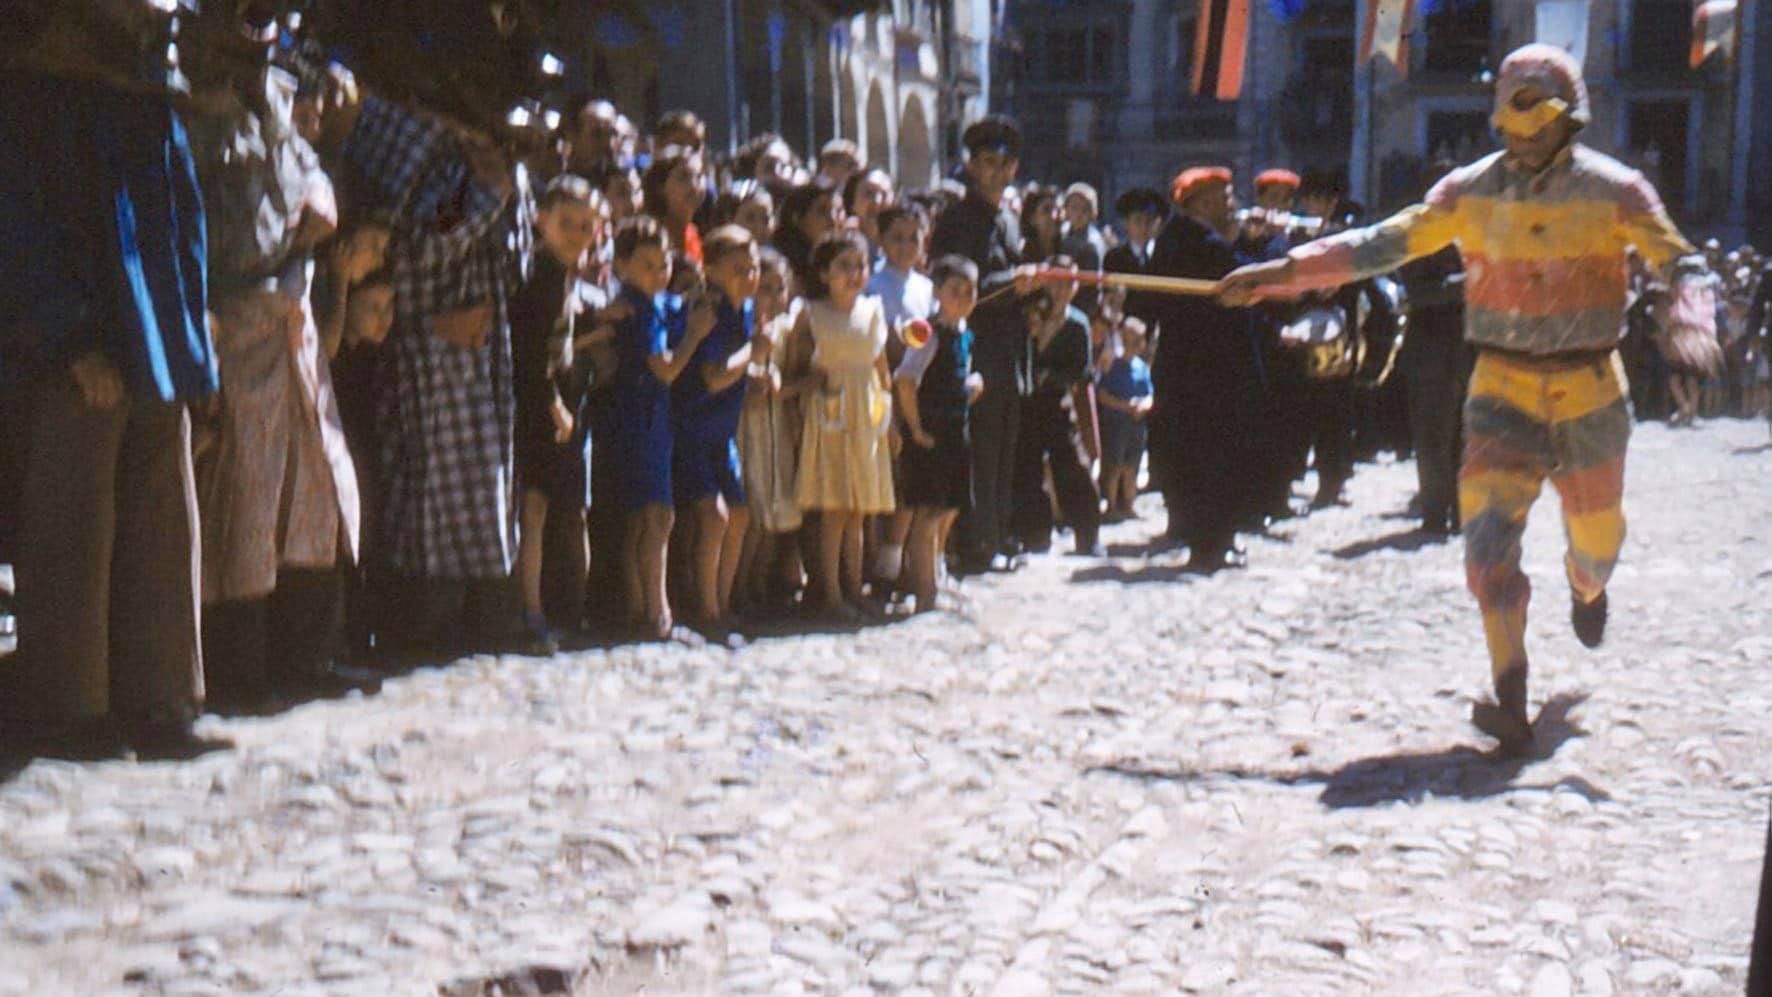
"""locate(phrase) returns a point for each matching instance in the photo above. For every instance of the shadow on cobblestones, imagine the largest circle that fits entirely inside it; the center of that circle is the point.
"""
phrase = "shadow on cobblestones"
(1460, 772)
(1406, 541)
(1136, 575)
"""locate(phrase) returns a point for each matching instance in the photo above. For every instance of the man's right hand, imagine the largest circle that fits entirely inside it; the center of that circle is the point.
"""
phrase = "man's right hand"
(99, 381)
(1244, 286)
(340, 104)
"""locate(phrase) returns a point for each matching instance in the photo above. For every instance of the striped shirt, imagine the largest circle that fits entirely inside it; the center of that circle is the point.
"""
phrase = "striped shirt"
(1544, 253)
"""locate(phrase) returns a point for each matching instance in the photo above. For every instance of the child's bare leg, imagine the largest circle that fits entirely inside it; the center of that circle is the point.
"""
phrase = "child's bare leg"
(831, 526)
(631, 570)
(924, 536)
(656, 521)
(750, 555)
(709, 536)
(738, 530)
(1128, 475)
(949, 517)
(532, 520)
(851, 556)
(895, 534)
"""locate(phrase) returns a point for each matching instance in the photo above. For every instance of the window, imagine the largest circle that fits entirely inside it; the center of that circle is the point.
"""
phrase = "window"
(1073, 56)
(1457, 34)
(1660, 35)
(1460, 136)
(1181, 47)
(1658, 146)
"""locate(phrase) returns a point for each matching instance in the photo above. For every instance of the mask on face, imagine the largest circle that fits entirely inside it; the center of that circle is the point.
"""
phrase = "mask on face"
(1510, 120)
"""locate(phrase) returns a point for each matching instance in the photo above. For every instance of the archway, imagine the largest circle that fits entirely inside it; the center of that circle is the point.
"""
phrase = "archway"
(879, 134)
(915, 162)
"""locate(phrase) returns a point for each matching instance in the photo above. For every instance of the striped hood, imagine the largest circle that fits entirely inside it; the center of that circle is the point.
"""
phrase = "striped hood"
(1550, 69)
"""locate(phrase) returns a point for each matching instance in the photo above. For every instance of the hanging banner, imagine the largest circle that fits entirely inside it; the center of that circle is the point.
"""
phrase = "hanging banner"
(1221, 43)
(1563, 23)
(1386, 34)
(1713, 30)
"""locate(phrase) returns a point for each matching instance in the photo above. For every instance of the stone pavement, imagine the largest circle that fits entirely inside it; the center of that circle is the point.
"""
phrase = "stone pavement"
(1102, 777)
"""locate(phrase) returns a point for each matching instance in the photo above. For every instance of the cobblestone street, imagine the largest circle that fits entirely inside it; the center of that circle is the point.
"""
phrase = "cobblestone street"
(1102, 777)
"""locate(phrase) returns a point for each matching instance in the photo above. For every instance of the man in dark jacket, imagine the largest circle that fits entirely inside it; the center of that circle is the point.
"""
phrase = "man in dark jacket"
(1436, 364)
(979, 229)
(1206, 379)
(103, 316)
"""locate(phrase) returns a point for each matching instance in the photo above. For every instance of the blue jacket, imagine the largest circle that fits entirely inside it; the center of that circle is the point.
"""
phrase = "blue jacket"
(102, 240)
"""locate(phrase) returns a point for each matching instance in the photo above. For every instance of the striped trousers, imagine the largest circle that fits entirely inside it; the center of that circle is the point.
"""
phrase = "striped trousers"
(1526, 420)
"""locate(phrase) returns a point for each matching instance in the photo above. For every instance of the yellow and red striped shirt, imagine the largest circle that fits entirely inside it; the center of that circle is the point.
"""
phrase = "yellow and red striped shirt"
(1544, 253)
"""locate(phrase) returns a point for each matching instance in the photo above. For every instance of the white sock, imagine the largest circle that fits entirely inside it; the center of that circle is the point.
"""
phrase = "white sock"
(890, 562)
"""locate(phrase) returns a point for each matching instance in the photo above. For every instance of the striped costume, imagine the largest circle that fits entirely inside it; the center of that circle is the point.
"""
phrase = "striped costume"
(1545, 261)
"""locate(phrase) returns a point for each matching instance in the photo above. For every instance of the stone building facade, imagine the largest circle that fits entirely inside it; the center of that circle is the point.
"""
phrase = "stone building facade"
(1102, 89)
(894, 76)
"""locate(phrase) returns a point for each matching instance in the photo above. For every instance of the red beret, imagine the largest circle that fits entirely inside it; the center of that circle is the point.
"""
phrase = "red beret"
(1189, 182)
(1276, 178)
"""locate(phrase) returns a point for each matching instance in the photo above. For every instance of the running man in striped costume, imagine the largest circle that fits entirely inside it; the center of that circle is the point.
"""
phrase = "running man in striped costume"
(1543, 227)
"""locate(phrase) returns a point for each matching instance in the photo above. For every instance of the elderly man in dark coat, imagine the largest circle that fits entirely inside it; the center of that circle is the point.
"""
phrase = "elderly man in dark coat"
(1206, 378)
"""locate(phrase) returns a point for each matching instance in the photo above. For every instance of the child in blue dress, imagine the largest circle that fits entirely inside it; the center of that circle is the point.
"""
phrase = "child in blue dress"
(651, 358)
(706, 405)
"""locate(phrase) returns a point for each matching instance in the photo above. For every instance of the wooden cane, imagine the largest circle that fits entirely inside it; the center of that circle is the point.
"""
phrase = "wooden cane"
(1131, 281)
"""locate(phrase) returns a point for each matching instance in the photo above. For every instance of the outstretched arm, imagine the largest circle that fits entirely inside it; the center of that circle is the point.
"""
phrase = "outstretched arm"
(1688, 312)
(1355, 255)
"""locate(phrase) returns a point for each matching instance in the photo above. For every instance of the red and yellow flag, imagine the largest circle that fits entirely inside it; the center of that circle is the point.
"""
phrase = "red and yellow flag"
(1221, 43)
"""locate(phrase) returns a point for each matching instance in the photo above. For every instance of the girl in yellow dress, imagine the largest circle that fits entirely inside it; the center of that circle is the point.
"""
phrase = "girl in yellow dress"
(845, 471)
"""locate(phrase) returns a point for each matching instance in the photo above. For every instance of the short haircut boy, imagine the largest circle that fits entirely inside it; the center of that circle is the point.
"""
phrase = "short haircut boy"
(889, 217)
(727, 240)
(951, 266)
(569, 187)
(637, 233)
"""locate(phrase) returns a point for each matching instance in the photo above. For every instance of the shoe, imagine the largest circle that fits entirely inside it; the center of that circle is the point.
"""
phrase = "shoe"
(1589, 620)
(1436, 525)
(1510, 727)
(1092, 549)
(1210, 561)
(331, 681)
(539, 639)
(1327, 499)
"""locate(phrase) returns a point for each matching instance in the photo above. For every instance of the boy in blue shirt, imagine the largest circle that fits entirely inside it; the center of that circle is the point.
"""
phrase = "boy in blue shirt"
(649, 363)
(706, 405)
(1124, 397)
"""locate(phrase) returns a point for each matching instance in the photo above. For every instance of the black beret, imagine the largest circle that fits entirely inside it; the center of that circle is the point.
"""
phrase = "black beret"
(1141, 200)
(996, 133)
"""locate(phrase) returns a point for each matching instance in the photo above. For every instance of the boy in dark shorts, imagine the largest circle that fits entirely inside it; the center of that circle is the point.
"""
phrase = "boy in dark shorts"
(1124, 398)
(548, 441)
(936, 388)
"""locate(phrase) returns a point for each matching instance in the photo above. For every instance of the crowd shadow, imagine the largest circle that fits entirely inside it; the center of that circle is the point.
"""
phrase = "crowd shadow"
(1458, 772)
(1406, 541)
(1752, 451)
(1133, 575)
(18, 753)
(16, 758)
